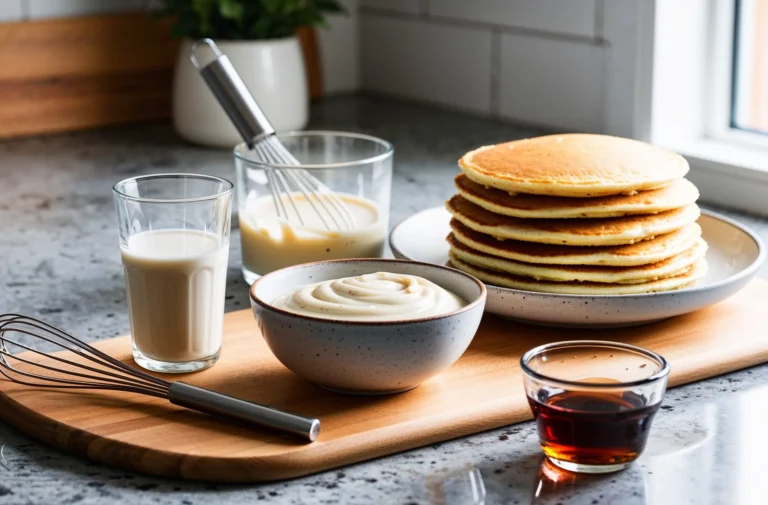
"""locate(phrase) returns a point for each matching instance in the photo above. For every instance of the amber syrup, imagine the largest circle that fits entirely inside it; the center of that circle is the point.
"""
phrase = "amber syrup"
(593, 428)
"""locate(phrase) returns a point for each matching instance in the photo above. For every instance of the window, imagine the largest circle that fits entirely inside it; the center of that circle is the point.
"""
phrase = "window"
(750, 70)
(709, 95)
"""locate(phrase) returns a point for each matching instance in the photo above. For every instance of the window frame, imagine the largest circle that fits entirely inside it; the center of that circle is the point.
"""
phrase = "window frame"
(688, 108)
(723, 73)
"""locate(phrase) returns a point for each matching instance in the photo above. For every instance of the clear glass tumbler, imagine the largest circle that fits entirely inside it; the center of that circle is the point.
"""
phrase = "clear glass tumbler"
(174, 242)
(283, 223)
(593, 401)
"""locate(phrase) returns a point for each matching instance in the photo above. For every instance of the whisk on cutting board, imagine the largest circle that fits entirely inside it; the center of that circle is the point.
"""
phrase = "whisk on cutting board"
(103, 372)
(286, 184)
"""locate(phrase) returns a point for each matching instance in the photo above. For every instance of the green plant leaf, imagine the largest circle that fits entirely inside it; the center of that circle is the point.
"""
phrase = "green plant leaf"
(272, 6)
(260, 28)
(331, 6)
(231, 9)
(245, 19)
(204, 10)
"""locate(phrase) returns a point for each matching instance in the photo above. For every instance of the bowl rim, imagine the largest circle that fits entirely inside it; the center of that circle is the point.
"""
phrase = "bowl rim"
(662, 374)
(118, 188)
(388, 152)
(471, 305)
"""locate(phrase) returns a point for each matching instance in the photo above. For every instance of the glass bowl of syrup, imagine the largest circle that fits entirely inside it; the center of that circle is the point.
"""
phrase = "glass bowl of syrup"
(593, 401)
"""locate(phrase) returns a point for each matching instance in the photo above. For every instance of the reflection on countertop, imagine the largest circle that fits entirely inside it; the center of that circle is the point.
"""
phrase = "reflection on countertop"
(61, 262)
(711, 453)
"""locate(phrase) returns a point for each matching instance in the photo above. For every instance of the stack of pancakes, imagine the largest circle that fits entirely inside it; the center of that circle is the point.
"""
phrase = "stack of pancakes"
(578, 214)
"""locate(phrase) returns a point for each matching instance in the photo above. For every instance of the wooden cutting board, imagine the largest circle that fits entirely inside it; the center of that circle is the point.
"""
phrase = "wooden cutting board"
(483, 390)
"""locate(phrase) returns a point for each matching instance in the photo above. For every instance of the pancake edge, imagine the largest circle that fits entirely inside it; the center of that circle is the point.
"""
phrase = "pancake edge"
(538, 272)
(561, 238)
(607, 259)
(695, 273)
(583, 213)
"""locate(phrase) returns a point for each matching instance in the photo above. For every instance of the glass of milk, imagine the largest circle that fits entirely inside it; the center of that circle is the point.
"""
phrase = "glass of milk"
(174, 242)
(358, 168)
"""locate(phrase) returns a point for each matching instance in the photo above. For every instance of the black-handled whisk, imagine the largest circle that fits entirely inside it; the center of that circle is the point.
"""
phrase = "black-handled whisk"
(102, 371)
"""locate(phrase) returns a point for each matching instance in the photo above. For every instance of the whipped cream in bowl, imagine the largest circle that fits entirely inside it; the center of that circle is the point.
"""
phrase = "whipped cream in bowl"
(368, 326)
(379, 296)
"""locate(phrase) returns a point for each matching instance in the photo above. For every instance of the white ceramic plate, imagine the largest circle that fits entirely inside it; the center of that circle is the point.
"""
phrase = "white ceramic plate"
(733, 257)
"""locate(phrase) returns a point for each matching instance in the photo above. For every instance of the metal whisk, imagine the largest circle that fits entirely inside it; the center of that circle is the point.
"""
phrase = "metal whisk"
(103, 372)
(287, 185)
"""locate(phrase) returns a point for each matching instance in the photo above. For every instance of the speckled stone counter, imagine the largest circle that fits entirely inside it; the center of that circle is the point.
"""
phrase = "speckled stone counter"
(59, 260)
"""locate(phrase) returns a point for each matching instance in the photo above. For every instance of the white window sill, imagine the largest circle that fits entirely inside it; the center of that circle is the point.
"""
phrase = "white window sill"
(728, 174)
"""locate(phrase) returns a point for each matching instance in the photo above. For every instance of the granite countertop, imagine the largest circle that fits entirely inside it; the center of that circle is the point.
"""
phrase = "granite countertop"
(60, 262)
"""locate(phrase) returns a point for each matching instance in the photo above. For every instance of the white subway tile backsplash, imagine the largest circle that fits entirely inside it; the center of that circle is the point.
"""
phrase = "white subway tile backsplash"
(72, 8)
(10, 10)
(573, 17)
(449, 65)
(339, 55)
(406, 6)
(552, 82)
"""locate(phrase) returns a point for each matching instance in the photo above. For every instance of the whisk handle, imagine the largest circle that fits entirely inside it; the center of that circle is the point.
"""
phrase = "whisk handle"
(233, 94)
(210, 402)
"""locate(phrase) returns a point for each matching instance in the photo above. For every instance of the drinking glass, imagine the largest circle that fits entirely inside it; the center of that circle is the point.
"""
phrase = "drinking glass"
(593, 401)
(174, 243)
(358, 168)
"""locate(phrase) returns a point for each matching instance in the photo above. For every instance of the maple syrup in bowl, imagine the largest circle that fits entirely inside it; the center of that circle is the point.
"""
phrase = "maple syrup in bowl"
(593, 401)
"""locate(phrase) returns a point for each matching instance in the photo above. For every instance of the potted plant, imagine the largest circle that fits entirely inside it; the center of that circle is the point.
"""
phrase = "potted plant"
(259, 37)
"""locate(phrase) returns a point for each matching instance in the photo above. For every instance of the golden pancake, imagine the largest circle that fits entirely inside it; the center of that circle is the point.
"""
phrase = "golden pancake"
(573, 165)
(682, 280)
(584, 232)
(566, 273)
(641, 253)
(677, 194)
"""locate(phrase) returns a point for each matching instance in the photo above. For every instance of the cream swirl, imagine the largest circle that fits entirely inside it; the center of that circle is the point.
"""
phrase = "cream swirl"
(381, 296)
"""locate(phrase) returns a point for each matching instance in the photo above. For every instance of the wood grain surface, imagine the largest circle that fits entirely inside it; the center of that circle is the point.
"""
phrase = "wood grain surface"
(73, 73)
(67, 74)
(483, 390)
(309, 46)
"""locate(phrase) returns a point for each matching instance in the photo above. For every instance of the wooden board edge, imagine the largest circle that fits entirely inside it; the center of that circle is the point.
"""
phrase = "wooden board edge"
(239, 470)
(730, 366)
(291, 465)
(493, 415)
(51, 432)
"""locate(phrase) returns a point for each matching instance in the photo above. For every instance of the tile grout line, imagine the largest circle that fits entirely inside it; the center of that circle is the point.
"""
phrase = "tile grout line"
(599, 19)
(522, 124)
(424, 9)
(495, 98)
(479, 25)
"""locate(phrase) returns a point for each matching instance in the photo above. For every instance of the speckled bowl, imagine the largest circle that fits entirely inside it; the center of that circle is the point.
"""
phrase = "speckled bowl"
(366, 357)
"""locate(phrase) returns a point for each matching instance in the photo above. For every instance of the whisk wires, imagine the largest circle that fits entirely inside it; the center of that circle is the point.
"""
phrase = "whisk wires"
(285, 183)
(98, 371)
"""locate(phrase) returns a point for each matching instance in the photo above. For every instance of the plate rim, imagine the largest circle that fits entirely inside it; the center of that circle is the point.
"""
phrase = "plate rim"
(746, 272)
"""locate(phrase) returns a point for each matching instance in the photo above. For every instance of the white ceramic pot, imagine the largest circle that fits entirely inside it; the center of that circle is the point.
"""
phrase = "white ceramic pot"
(274, 72)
